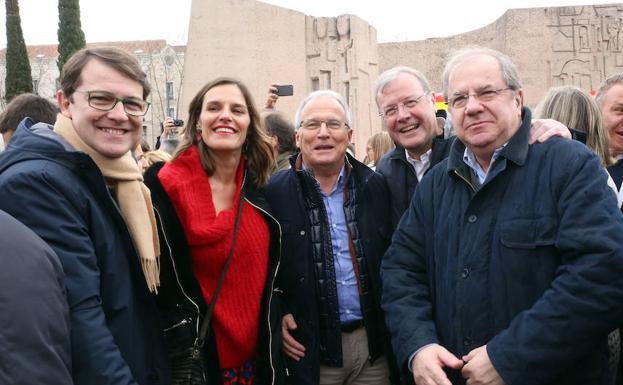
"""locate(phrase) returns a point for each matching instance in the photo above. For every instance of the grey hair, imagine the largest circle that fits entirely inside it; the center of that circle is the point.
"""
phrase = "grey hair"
(389, 75)
(317, 94)
(509, 70)
(610, 82)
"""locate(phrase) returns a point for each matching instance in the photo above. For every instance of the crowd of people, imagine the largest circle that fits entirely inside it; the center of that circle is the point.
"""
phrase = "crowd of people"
(258, 251)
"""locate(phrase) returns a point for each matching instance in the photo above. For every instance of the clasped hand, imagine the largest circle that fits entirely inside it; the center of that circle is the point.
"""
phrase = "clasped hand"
(476, 367)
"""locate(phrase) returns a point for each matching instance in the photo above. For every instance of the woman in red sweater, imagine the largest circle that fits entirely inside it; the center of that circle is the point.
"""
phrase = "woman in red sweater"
(224, 153)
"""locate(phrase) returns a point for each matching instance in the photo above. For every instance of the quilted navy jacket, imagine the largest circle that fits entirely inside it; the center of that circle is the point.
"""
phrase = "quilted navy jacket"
(529, 264)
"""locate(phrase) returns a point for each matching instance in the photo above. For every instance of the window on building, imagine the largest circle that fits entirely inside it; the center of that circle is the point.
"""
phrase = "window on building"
(170, 91)
(35, 86)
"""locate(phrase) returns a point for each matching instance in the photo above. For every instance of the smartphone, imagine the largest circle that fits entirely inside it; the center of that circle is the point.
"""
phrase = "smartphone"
(285, 90)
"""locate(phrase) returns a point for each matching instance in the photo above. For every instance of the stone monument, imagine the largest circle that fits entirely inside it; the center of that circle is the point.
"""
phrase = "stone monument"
(263, 44)
(551, 46)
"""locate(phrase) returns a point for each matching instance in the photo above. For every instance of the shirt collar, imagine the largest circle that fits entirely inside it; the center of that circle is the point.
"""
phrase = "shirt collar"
(470, 159)
(341, 178)
(516, 151)
(425, 157)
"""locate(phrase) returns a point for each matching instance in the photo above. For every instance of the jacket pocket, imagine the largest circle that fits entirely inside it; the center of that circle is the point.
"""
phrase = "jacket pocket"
(529, 233)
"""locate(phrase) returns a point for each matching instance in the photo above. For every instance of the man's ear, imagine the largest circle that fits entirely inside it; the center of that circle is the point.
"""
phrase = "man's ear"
(433, 96)
(297, 136)
(63, 103)
(519, 98)
(441, 123)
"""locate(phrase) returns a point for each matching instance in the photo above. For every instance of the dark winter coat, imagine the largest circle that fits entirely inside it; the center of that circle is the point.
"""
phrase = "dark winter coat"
(366, 199)
(400, 174)
(34, 317)
(529, 264)
(61, 195)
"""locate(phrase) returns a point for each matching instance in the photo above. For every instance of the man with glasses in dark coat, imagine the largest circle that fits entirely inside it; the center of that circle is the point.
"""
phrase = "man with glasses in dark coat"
(507, 268)
(334, 216)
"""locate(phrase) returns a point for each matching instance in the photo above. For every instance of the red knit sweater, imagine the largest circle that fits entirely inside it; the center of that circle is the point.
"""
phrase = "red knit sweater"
(236, 315)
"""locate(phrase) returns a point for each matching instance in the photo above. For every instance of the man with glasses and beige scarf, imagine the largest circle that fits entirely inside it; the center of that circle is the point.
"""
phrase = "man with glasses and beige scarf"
(79, 189)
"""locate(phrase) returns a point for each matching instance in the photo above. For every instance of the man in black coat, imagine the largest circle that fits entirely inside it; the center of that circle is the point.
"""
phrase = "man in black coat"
(34, 316)
(333, 214)
(407, 106)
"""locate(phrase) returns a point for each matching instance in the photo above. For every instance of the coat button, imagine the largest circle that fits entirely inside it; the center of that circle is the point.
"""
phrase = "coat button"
(472, 218)
(467, 341)
(465, 273)
(302, 232)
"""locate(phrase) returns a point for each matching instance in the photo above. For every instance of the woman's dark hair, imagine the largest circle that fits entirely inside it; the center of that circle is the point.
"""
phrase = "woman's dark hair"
(256, 150)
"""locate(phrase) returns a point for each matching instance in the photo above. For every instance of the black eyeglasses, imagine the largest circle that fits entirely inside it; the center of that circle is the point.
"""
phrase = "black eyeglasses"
(105, 101)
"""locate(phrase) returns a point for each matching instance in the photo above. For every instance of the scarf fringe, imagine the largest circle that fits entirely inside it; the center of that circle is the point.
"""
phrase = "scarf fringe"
(151, 270)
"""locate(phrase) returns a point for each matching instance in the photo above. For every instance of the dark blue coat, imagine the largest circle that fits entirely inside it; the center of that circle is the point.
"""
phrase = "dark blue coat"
(530, 264)
(61, 195)
(296, 277)
(35, 347)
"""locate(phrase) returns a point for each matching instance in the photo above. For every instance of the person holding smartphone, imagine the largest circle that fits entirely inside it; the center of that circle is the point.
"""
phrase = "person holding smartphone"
(274, 92)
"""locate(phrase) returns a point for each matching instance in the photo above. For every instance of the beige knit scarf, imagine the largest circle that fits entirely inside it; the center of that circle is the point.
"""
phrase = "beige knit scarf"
(132, 196)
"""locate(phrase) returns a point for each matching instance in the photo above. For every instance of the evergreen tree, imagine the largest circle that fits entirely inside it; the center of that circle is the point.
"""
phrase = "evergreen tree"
(70, 35)
(18, 79)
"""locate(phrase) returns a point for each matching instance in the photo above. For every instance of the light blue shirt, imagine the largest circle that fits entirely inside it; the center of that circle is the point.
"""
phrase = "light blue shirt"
(346, 282)
(470, 159)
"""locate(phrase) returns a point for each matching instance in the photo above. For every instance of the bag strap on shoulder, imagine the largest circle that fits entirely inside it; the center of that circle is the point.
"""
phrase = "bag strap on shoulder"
(205, 325)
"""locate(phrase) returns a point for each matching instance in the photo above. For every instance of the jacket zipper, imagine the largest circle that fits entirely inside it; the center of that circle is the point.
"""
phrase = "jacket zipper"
(182, 322)
(466, 181)
(177, 278)
(272, 285)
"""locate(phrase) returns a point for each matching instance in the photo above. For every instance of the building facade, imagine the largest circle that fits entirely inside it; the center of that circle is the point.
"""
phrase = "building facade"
(163, 64)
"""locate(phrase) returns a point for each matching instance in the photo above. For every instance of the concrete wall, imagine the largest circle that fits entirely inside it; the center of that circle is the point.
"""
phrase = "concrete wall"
(255, 42)
(550, 46)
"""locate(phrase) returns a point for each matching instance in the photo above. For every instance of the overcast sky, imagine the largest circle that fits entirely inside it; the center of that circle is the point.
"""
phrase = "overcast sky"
(394, 20)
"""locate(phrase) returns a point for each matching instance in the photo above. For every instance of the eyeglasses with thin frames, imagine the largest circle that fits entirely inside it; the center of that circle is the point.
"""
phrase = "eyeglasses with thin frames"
(314, 124)
(105, 101)
(409, 103)
(460, 100)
